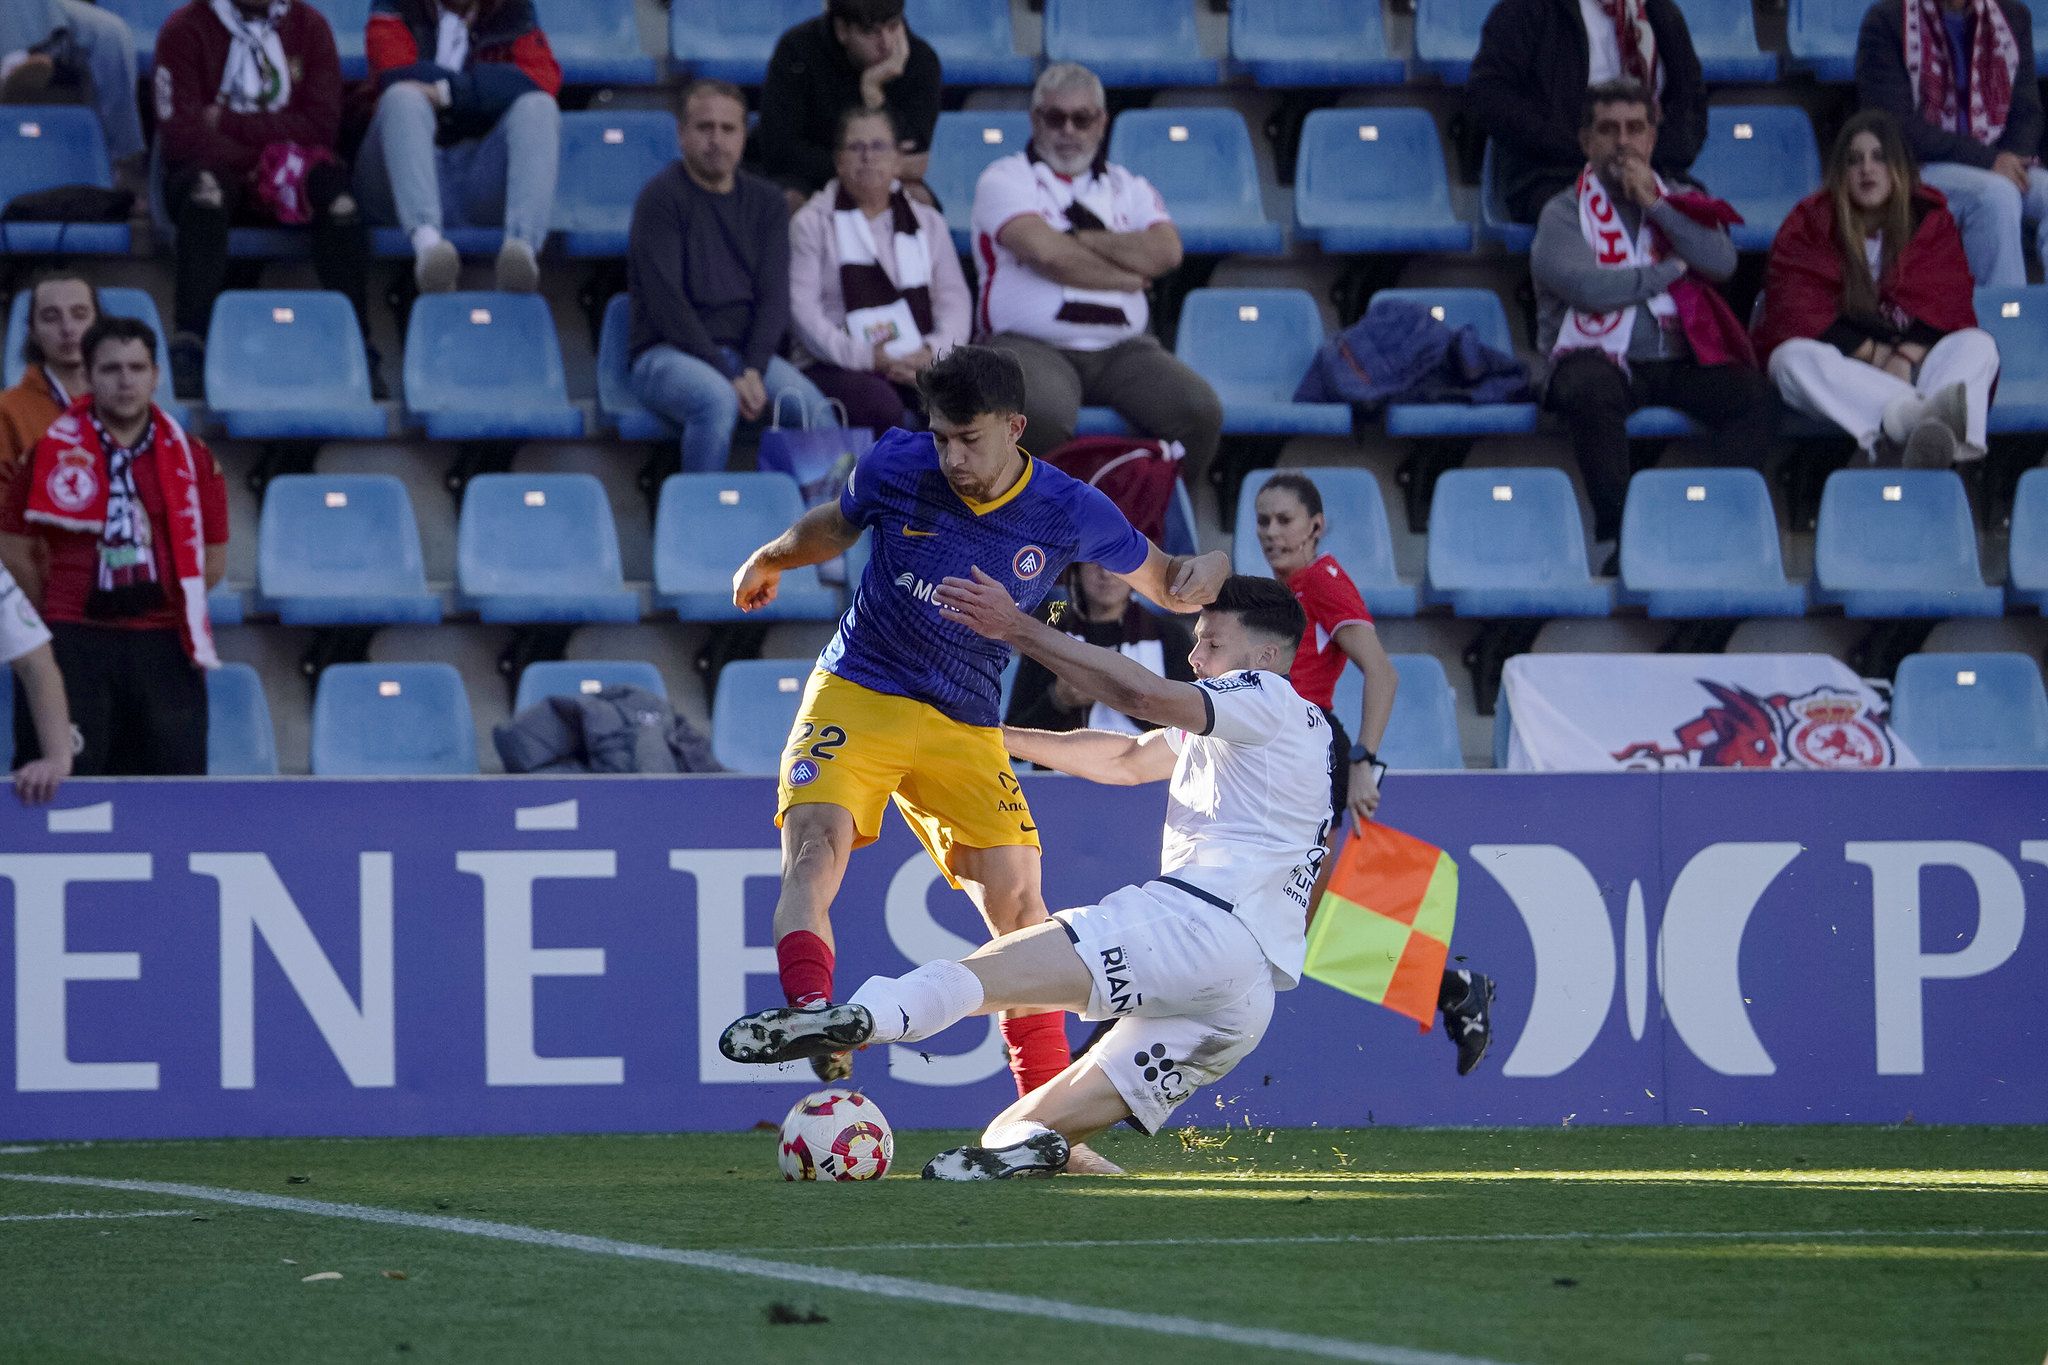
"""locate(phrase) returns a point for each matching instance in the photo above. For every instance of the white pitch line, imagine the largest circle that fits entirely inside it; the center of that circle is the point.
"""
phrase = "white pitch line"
(66, 1215)
(1412, 1239)
(818, 1277)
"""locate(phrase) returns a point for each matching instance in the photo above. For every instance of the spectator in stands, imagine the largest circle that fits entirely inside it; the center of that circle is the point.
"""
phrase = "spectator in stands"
(1958, 76)
(1536, 59)
(1868, 319)
(248, 96)
(1101, 610)
(54, 41)
(1067, 244)
(1628, 314)
(707, 265)
(132, 515)
(61, 306)
(874, 287)
(39, 696)
(857, 54)
(466, 130)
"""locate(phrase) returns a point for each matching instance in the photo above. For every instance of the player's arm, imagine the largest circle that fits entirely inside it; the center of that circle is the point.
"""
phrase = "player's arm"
(43, 686)
(1098, 755)
(817, 536)
(1179, 582)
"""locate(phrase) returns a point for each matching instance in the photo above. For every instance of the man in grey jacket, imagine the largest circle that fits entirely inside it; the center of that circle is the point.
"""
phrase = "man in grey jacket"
(1607, 253)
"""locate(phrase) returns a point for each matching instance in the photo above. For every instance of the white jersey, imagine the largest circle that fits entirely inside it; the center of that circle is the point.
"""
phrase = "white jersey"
(21, 630)
(1249, 807)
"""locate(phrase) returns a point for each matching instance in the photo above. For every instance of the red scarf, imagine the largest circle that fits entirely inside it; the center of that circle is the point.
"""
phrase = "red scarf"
(68, 489)
(1994, 59)
(1636, 41)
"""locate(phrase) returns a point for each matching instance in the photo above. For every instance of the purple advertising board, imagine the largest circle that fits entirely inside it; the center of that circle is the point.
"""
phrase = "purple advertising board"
(246, 958)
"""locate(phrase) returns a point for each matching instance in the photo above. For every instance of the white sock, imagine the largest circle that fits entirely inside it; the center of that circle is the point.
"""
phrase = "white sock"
(425, 236)
(912, 1007)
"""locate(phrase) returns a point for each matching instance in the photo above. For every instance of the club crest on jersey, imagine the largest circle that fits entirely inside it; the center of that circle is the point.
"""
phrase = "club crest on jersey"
(802, 773)
(1028, 564)
(75, 481)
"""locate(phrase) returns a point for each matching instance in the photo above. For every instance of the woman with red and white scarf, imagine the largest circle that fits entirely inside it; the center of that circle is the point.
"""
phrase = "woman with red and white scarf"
(1958, 75)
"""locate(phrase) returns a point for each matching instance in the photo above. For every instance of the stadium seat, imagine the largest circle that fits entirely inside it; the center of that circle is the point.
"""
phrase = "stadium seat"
(540, 547)
(1129, 42)
(487, 367)
(144, 18)
(963, 144)
(598, 43)
(225, 605)
(1660, 424)
(1724, 39)
(729, 42)
(1704, 543)
(752, 712)
(341, 549)
(1422, 734)
(1496, 224)
(1373, 180)
(2018, 320)
(240, 741)
(607, 157)
(1820, 37)
(2027, 554)
(1899, 543)
(973, 39)
(118, 301)
(1479, 309)
(351, 18)
(580, 677)
(1201, 162)
(392, 720)
(707, 524)
(1312, 43)
(43, 146)
(1355, 531)
(1762, 159)
(1253, 346)
(617, 405)
(1509, 542)
(1447, 36)
(289, 365)
(2038, 11)
(1972, 710)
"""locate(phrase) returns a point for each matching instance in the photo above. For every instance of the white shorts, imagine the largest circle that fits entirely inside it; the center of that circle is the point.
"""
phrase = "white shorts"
(1188, 985)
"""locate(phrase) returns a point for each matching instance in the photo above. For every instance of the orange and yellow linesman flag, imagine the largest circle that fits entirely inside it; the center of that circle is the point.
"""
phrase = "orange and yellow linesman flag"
(1383, 929)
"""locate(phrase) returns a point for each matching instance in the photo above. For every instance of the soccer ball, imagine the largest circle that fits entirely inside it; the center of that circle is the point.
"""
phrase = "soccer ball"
(836, 1135)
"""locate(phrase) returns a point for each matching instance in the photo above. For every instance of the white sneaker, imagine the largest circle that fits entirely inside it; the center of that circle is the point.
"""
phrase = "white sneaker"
(1901, 415)
(1950, 406)
(436, 267)
(1085, 1160)
(1931, 446)
(518, 271)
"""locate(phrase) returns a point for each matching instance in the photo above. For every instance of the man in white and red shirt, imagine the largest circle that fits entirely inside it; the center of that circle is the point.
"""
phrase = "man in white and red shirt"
(1066, 244)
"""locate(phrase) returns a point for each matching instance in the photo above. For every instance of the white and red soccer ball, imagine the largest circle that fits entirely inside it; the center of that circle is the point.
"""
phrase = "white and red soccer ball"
(836, 1135)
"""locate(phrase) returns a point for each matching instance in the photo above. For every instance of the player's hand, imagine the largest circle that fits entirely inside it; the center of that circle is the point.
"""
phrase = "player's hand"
(753, 587)
(1365, 792)
(37, 782)
(1199, 580)
(983, 605)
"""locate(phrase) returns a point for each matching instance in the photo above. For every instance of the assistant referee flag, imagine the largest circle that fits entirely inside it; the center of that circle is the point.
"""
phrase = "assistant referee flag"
(1383, 929)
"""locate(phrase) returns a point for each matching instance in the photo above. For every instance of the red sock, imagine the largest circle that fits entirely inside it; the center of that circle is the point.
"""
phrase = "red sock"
(804, 961)
(1038, 1048)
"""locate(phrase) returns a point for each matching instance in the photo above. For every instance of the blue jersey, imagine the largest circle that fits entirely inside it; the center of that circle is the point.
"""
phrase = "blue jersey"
(894, 638)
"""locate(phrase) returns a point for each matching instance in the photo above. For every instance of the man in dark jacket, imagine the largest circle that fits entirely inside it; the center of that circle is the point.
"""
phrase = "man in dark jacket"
(857, 54)
(1537, 58)
(1958, 75)
(466, 130)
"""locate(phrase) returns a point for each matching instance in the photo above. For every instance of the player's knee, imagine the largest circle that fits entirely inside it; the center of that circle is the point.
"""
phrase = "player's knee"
(1012, 908)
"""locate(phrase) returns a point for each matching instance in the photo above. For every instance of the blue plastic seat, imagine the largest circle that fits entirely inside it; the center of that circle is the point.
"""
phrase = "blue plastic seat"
(1201, 162)
(1447, 36)
(144, 18)
(704, 528)
(1253, 346)
(540, 547)
(1422, 733)
(581, 677)
(1724, 39)
(1762, 159)
(1101, 421)
(963, 144)
(1972, 710)
(973, 39)
(487, 367)
(1661, 424)
(1509, 542)
(1479, 309)
(116, 301)
(350, 20)
(43, 146)
(752, 712)
(1704, 543)
(1374, 180)
(729, 42)
(2018, 321)
(1129, 42)
(1354, 530)
(342, 549)
(1820, 37)
(289, 365)
(607, 157)
(1312, 43)
(2027, 555)
(240, 741)
(617, 405)
(392, 720)
(225, 605)
(597, 42)
(1496, 224)
(1899, 543)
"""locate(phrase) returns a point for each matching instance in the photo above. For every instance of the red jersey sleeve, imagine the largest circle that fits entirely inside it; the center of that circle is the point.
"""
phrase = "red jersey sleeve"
(1329, 596)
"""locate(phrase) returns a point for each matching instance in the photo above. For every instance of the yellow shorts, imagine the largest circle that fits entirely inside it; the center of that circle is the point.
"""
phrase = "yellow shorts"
(857, 748)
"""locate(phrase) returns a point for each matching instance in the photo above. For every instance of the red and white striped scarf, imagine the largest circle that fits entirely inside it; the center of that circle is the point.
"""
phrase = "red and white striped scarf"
(1636, 41)
(1994, 59)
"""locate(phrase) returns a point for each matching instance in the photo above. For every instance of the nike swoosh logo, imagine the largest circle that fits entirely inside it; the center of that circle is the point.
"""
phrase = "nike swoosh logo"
(1029, 829)
(913, 531)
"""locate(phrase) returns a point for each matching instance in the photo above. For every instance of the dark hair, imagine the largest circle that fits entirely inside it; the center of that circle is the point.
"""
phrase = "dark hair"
(108, 329)
(1852, 227)
(706, 85)
(1264, 605)
(1302, 486)
(854, 113)
(971, 380)
(1620, 90)
(31, 349)
(864, 13)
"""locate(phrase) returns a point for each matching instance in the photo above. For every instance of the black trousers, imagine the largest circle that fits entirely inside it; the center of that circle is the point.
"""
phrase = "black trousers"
(1594, 396)
(139, 704)
(341, 246)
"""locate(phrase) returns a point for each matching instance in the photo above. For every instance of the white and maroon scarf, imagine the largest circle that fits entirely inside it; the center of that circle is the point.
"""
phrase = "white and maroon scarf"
(82, 481)
(896, 312)
(1637, 42)
(258, 77)
(1086, 201)
(1994, 59)
(1614, 249)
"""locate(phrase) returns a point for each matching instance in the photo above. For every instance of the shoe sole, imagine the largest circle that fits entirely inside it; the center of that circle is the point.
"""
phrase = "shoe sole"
(440, 271)
(1950, 406)
(785, 1035)
(1041, 1154)
(1931, 446)
(1466, 1068)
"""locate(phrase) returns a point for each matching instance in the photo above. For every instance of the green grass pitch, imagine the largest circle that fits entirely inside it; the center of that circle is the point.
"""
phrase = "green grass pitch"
(1693, 1246)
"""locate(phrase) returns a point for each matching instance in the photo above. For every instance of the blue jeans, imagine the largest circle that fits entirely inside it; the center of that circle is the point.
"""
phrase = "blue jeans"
(700, 400)
(506, 176)
(1990, 209)
(97, 42)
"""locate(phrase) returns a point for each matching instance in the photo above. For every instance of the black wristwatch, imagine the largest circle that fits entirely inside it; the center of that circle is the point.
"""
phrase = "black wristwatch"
(1361, 754)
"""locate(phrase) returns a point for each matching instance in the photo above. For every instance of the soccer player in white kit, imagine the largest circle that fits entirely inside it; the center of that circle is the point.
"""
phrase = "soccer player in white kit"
(1186, 963)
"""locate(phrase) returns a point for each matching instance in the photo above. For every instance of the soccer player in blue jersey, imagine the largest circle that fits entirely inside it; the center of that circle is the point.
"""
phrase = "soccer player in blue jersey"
(904, 702)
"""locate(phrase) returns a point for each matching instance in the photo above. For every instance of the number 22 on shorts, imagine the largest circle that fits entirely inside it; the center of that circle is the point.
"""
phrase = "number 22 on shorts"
(826, 746)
